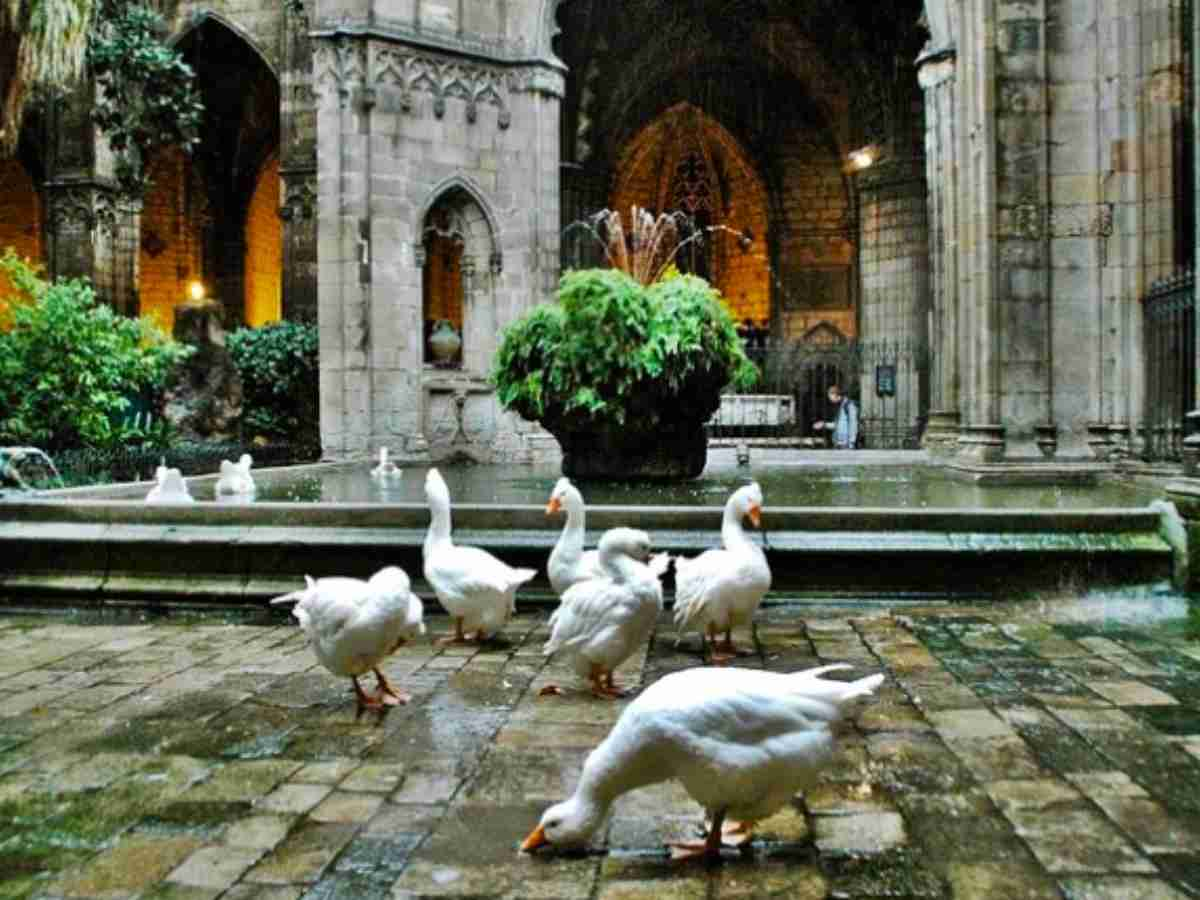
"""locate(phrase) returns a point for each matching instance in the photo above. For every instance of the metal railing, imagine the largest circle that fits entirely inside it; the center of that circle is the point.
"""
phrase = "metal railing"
(1169, 316)
(888, 379)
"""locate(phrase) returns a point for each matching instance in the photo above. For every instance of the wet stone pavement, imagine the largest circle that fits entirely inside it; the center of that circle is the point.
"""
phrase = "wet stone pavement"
(1010, 755)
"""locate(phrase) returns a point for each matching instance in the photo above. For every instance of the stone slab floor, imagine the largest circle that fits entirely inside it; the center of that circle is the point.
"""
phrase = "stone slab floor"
(1013, 753)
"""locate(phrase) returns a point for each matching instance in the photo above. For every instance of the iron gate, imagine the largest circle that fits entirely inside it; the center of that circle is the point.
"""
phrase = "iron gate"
(1169, 312)
(887, 379)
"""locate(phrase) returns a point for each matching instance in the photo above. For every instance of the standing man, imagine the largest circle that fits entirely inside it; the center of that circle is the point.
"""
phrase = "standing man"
(844, 420)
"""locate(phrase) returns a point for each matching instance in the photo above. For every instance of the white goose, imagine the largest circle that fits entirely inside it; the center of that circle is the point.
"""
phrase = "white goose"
(477, 590)
(719, 590)
(235, 476)
(353, 624)
(742, 741)
(386, 468)
(603, 620)
(569, 563)
(169, 487)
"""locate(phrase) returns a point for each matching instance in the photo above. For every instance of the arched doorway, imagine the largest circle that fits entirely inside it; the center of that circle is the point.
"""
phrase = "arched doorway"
(685, 161)
(459, 254)
(210, 216)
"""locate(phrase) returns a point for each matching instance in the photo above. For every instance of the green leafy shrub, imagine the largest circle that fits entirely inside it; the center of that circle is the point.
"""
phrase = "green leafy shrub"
(613, 352)
(280, 379)
(70, 366)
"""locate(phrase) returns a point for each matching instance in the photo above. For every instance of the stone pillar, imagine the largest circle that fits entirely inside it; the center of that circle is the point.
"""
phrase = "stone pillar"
(982, 436)
(936, 75)
(298, 169)
(894, 271)
(89, 231)
(343, 282)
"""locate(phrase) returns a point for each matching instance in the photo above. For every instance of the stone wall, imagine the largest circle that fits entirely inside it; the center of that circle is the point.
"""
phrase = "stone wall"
(400, 125)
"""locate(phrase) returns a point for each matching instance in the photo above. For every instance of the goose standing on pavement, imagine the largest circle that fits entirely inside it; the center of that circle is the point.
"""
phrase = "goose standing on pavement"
(477, 590)
(742, 741)
(353, 625)
(603, 620)
(719, 590)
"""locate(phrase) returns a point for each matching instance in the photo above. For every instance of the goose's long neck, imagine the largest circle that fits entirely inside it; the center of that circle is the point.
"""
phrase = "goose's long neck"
(612, 769)
(439, 524)
(572, 533)
(732, 533)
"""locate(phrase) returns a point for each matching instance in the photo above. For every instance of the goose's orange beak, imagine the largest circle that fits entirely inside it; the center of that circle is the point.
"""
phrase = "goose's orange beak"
(553, 506)
(537, 838)
(755, 514)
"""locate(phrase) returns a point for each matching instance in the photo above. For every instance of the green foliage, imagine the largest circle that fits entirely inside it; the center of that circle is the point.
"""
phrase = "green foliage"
(615, 353)
(280, 379)
(147, 96)
(70, 366)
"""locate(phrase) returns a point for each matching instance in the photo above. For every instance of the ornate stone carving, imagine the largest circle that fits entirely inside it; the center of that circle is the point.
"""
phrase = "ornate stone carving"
(1081, 220)
(1033, 221)
(300, 197)
(339, 64)
(472, 83)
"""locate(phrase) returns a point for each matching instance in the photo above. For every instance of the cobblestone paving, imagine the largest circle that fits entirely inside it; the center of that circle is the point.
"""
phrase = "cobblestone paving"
(1007, 756)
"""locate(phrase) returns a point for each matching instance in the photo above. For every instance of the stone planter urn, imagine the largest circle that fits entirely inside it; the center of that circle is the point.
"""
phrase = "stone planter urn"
(678, 453)
(444, 342)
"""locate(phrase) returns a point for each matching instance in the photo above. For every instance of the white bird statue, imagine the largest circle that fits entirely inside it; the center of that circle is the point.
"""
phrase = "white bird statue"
(603, 620)
(386, 468)
(235, 476)
(477, 590)
(354, 624)
(719, 590)
(569, 563)
(742, 741)
(169, 488)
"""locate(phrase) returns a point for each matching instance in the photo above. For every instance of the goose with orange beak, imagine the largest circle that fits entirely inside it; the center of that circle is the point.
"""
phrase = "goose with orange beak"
(569, 563)
(720, 590)
(742, 742)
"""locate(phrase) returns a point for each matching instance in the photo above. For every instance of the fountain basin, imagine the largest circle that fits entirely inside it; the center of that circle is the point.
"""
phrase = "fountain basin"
(117, 551)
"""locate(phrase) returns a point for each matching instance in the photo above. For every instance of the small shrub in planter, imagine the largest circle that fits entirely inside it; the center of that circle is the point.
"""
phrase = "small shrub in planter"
(622, 374)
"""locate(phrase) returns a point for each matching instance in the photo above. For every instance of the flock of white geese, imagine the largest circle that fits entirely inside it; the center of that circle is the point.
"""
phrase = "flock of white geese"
(742, 741)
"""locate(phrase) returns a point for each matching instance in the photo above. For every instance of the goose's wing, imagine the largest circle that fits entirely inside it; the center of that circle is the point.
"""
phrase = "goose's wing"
(470, 572)
(697, 587)
(731, 732)
(325, 610)
(587, 612)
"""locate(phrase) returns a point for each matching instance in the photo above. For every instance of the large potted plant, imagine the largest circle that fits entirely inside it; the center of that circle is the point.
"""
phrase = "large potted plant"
(624, 374)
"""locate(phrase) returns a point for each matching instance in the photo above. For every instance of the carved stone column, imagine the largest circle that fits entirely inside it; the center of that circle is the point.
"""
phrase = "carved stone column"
(936, 75)
(89, 232)
(298, 169)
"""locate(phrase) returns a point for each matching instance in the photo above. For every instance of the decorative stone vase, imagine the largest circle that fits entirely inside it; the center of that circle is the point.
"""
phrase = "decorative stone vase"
(445, 343)
(1100, 441)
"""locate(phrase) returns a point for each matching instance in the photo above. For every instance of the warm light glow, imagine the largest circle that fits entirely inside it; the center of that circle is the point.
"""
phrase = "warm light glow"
(863, 158)
(196, 290)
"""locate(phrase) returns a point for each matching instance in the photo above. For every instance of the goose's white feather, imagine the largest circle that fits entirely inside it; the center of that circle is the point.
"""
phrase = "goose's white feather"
(742, 742)
(601, 621)
(353, 624)
(472, 584)
(724, 587)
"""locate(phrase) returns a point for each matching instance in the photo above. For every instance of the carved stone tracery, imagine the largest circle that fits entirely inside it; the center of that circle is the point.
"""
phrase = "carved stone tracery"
(475, 84)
